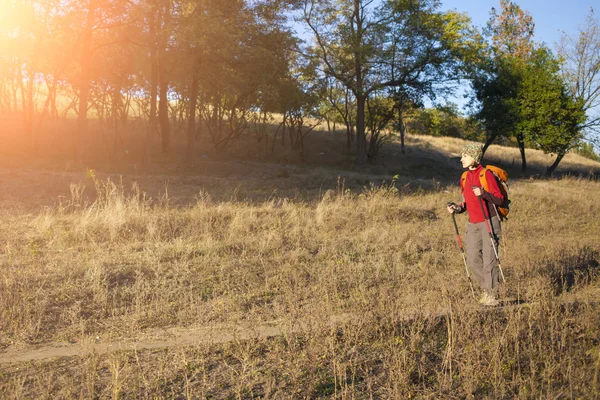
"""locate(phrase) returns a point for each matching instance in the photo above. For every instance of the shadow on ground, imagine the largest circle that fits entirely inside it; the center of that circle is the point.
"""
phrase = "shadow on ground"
(247, 171)
(571, 270)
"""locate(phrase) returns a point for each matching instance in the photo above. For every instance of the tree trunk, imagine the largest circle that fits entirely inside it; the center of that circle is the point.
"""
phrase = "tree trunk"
(372, 152)
(29, 108)
(275, 137)
(521, 143)
(361, 140)
(550, 170)
(23, 95)
(45, 112)
(153, 92)
(163, 105)
(402, 127)
(283, 129)
(53, 109)
(361, 97)
(349, 138)
(402, 136)
(488, 142)
(4, 98)
(84, 85)
(15, 98)
(191, 134)
(115, 120)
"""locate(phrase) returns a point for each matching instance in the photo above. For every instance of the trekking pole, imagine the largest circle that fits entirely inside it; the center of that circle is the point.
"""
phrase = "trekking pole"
(462, 251)
(487, 224)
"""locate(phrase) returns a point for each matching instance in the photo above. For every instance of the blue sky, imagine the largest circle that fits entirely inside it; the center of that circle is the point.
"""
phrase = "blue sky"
(550, 16)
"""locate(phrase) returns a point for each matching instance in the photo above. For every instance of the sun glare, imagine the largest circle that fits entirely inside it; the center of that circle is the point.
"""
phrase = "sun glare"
(14, 13)
(17, 20)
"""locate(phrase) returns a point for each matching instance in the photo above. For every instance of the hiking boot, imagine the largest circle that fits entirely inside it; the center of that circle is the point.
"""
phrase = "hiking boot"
(488, 300)
(482, 298)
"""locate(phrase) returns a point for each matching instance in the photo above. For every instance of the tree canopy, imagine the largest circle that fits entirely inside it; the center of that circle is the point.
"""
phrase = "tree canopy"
(227, 69)
(520, 92)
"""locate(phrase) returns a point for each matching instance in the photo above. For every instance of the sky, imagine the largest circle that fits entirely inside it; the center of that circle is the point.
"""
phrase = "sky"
(551, 18)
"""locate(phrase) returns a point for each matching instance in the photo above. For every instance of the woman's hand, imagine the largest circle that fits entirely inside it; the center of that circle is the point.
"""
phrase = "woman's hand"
(452, 208)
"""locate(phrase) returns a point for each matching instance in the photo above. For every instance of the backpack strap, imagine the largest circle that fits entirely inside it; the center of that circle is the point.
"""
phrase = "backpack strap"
(463, 179)
(483, 179)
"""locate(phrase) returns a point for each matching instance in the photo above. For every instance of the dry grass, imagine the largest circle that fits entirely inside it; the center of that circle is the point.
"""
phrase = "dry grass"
(426, 157)
(117, 264)
(510, 157)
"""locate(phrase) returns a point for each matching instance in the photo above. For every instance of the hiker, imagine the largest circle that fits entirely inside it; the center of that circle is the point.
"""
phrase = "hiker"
(481, 256)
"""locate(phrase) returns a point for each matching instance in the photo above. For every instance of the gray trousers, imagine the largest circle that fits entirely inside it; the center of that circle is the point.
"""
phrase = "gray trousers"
(480, 253)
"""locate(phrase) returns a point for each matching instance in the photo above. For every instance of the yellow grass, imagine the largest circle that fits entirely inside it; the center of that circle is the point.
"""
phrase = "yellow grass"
(106, 263)
(512, 156)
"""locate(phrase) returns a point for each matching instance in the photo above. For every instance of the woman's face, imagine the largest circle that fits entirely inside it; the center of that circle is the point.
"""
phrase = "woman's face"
(467, 160)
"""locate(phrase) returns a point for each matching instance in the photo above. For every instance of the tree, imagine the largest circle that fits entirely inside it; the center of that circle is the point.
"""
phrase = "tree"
(551, 118)
(510, 32)
(587, 150)
(495, 87)
(338, 102)
(380, 113)
(232, 67)
(430, 52)
(143, 29)
(369, 47)
(164, 26)
(94, 23)
(581, 70)
(520, 92)
(28, 51)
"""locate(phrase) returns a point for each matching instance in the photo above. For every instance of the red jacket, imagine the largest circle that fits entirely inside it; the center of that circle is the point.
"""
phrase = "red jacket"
(471, 202)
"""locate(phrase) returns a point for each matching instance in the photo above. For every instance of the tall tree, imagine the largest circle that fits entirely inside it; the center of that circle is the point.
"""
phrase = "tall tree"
(143, 29)
(368, 46)
(94, 23)
(581, 70)
(510, 31)
(27, 32)
(551, 117)
(164, 27)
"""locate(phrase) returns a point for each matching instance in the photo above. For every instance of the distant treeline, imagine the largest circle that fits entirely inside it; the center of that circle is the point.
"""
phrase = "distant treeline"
(228, 69)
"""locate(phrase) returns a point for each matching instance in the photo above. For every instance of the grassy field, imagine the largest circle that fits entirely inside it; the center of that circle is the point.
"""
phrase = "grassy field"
(357, 271)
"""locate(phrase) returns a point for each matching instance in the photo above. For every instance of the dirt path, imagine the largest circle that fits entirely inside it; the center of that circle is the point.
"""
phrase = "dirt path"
(201, 335)
(157, 339)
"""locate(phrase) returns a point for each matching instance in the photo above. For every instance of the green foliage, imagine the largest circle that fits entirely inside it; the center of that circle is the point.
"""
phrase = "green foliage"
(445, 121)
(409, 48)
(550, 117)
(496, 82)
(520, 92)
(438, 122)
(379, 117)
(495, 90)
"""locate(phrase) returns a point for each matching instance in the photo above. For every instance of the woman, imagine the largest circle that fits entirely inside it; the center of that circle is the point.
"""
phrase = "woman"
(480, 205)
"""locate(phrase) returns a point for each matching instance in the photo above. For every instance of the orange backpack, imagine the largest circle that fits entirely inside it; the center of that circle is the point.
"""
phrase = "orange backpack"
(502, 181)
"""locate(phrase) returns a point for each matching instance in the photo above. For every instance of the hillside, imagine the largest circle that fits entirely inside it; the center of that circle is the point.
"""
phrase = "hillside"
(243, 278)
